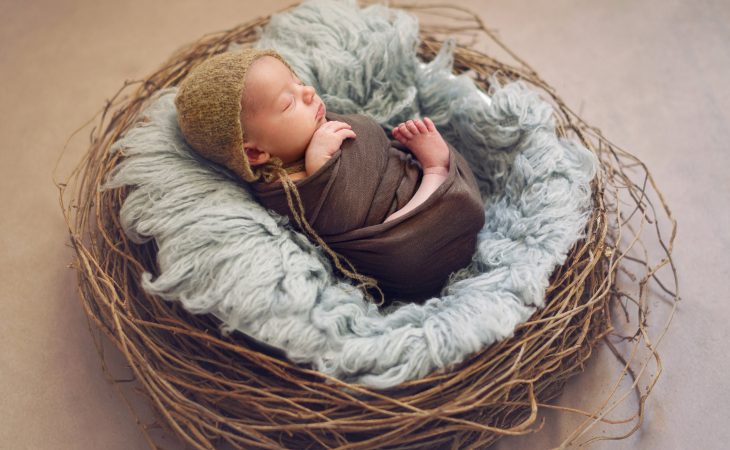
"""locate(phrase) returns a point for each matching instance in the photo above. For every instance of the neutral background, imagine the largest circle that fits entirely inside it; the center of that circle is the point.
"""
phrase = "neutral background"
(651, 74)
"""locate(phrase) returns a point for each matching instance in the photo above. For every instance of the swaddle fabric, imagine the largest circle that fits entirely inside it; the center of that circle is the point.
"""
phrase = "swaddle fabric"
(366, 180)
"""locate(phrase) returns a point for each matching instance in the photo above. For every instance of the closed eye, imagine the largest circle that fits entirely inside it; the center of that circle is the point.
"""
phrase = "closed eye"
(292, 102)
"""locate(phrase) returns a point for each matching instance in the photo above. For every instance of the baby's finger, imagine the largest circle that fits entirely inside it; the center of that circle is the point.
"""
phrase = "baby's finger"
(429, 125)
(344, 133)
(339, 125)
(331, 125)
(421, 126)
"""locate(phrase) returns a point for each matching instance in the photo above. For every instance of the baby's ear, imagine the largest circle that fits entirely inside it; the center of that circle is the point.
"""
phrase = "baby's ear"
(254, 155)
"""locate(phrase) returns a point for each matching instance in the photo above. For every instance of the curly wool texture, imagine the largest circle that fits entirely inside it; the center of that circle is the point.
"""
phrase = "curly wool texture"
(221, 252)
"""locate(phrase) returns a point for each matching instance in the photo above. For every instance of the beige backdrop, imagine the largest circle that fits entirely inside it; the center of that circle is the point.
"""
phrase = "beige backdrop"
(652, 74)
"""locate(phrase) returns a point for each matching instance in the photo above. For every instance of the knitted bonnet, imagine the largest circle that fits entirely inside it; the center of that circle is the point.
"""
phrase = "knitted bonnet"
(208, 104)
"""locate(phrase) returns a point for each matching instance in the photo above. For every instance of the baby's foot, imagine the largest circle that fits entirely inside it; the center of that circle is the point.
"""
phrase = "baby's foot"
(426, 143)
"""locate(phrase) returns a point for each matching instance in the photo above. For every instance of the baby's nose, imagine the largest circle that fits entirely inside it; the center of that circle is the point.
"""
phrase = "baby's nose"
(309, 92)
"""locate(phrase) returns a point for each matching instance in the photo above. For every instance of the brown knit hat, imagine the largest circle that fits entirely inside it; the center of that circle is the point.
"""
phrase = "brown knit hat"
(208, 105)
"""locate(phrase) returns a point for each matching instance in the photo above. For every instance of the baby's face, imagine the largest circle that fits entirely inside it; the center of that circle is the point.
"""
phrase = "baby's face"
(284, 113)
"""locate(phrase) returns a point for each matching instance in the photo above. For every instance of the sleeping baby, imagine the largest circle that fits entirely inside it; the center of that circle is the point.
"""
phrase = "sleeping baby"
(403, 213)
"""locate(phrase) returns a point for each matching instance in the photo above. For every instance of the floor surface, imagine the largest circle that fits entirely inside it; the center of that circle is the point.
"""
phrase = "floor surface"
(651, 74)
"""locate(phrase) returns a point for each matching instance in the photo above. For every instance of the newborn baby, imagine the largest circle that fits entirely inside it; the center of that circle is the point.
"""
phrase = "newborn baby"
(404, 211)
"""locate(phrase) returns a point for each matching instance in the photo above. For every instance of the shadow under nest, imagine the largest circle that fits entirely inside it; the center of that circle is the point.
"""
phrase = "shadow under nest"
(210, 390)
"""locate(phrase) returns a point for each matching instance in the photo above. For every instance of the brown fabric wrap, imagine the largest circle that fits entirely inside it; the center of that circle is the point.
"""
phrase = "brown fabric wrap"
(371, 177)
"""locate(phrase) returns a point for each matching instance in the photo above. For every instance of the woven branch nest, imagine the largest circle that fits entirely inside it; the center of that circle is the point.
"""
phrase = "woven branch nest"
(214, 391)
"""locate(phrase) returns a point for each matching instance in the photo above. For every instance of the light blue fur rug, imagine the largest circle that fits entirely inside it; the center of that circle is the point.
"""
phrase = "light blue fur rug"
(220, 252)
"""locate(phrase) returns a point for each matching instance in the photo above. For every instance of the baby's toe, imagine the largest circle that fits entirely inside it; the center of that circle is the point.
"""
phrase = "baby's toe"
(399, 136)
(412, 127)
(421, 126)
(404, 131)
(429, 124)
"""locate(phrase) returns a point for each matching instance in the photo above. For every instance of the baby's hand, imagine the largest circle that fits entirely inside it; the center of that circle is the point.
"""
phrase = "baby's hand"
(325, 142)
(426, 143)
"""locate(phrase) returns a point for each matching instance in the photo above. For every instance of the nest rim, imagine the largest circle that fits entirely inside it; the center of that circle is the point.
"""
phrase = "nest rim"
(186, 367)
